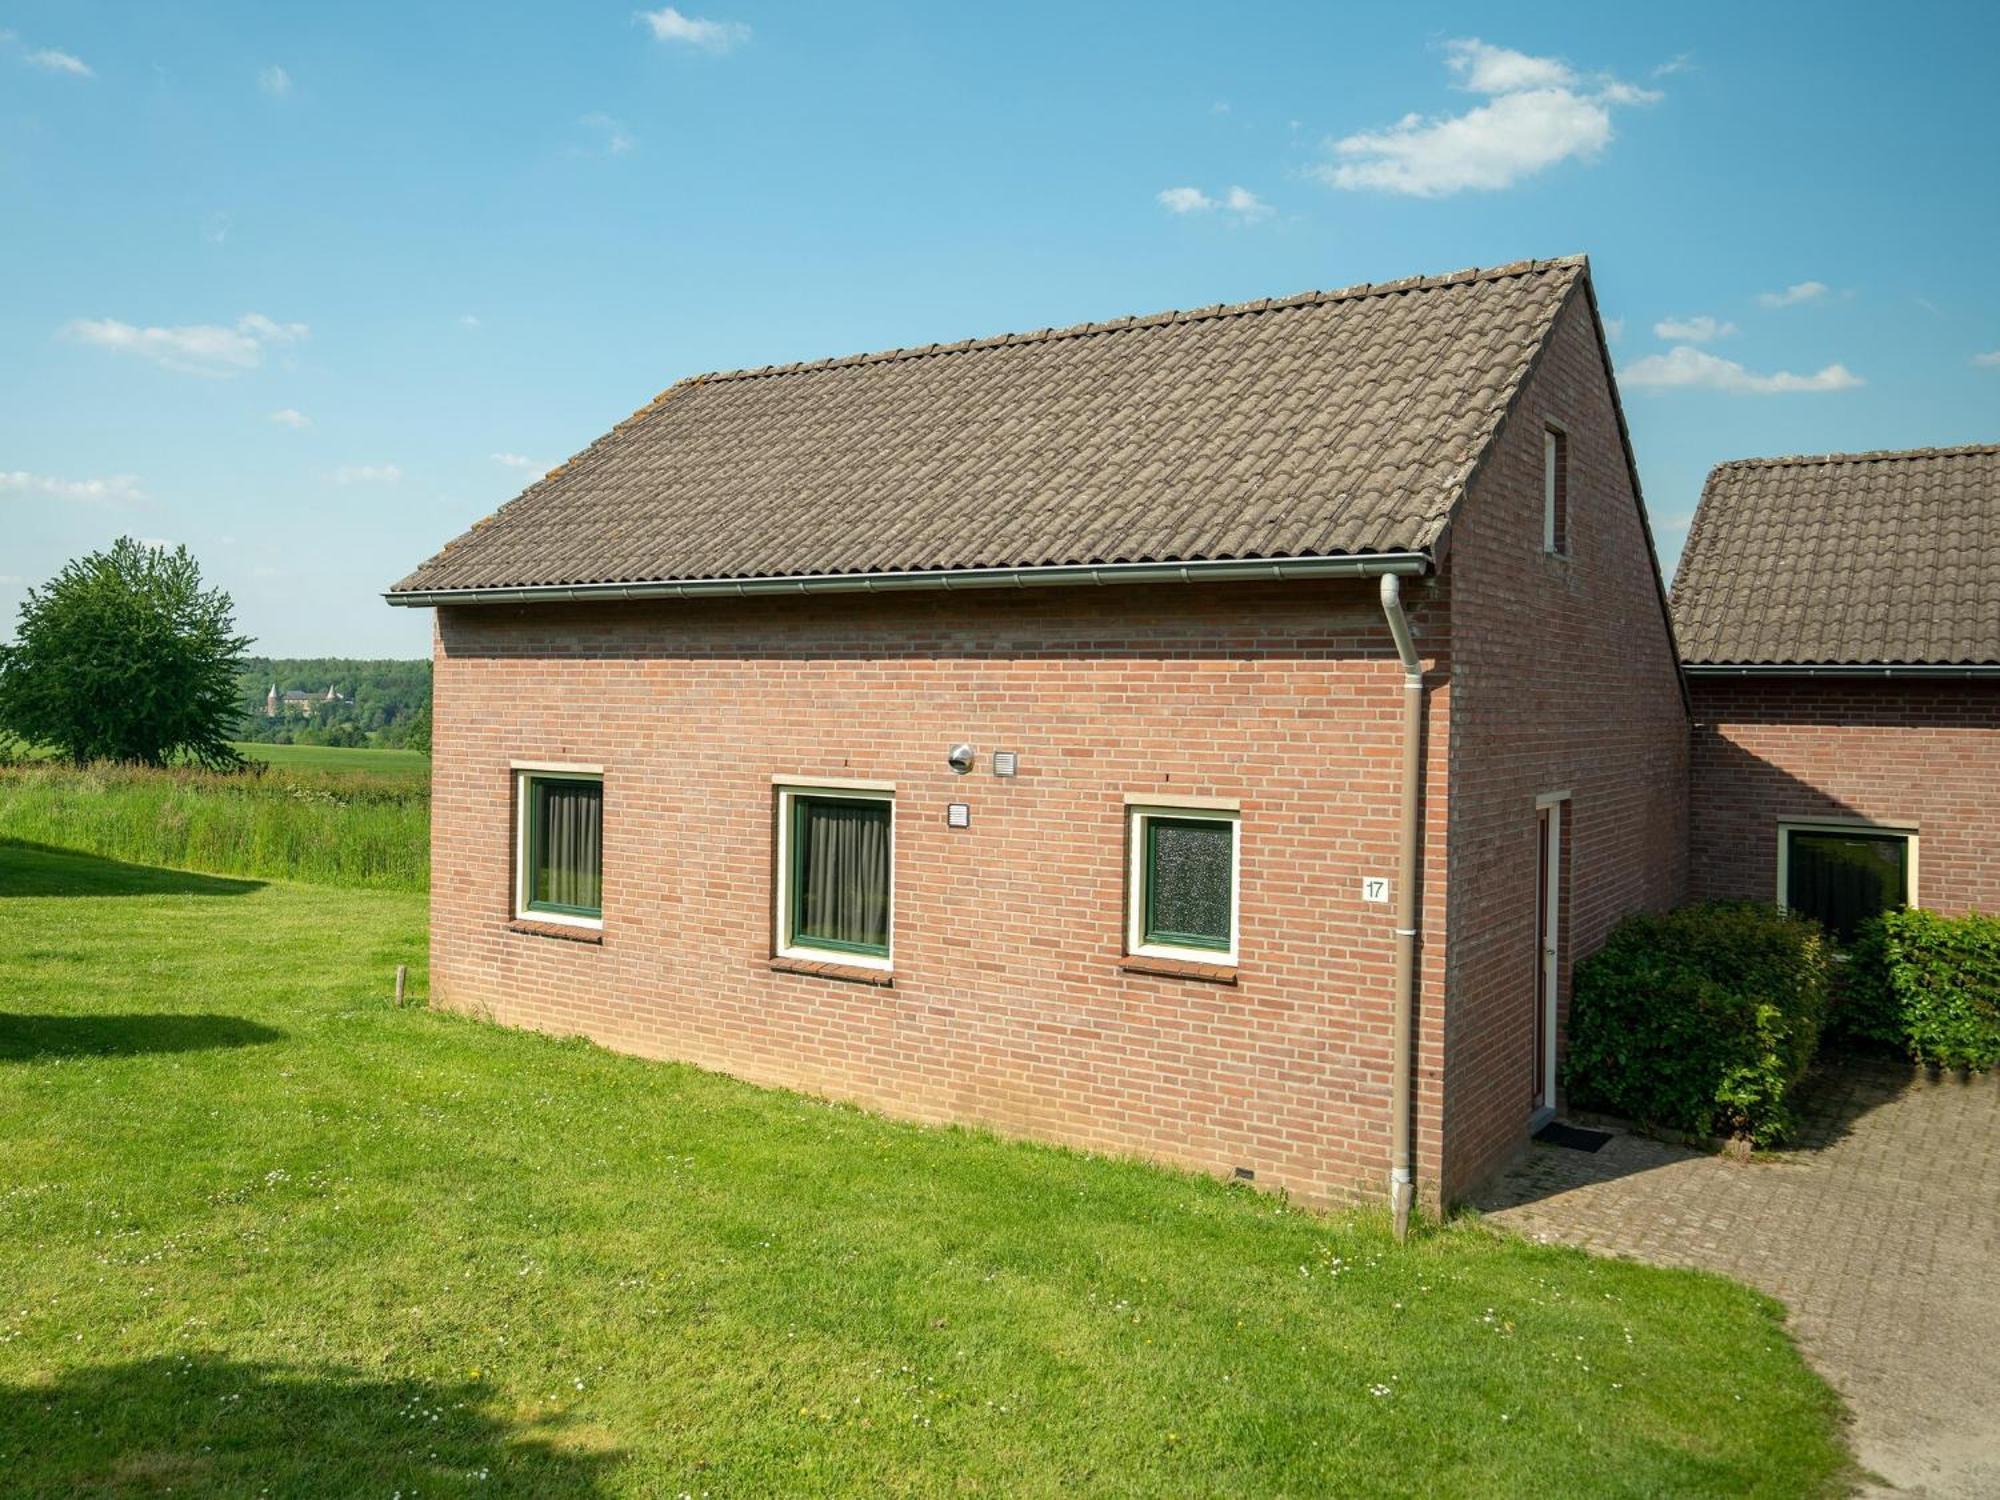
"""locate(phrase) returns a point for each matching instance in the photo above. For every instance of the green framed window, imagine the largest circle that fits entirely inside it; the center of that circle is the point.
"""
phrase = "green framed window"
(1842, 875)
(1183, 883)
(561, 846)
(836, 874)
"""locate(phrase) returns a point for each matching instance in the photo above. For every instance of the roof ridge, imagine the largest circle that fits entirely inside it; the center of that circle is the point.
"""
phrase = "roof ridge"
(1870, 456)
(1357, 292)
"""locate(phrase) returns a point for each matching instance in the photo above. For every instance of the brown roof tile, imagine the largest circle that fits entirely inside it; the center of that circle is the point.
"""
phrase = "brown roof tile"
(1328, 423)
(1847, 558)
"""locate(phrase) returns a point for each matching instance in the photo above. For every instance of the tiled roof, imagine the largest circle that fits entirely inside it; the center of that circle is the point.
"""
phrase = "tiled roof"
(1318, 425)
(1848, 558)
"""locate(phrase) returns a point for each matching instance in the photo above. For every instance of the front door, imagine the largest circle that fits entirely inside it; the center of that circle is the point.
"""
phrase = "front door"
(1548, 917)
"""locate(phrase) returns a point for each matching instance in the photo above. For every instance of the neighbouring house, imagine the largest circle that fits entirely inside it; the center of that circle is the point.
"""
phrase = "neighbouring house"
(293, 701)
(1211, 735)
(1840, 622)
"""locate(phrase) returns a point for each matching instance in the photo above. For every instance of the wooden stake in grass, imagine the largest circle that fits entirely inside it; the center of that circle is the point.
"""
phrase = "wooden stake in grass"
(402, 973)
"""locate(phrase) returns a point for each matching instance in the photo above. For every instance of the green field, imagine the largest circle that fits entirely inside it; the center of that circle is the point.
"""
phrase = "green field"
(261, 1233)
(362, 820)
(332, 760)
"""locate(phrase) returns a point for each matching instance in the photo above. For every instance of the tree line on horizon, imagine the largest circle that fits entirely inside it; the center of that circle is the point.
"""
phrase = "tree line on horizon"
(383, 702)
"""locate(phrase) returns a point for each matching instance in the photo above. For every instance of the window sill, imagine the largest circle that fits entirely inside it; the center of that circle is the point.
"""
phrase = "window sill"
(1178, 968)
(828, 969)
(559, 930)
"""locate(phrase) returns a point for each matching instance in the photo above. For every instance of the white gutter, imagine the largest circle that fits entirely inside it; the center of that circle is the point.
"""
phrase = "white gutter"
(1369, 565)
(1402, 1177)
(1840, 669)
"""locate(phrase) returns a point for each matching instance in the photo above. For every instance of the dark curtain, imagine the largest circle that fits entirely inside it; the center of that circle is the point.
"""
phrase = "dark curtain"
(843, 872)
(1842, 879)
(571, 864)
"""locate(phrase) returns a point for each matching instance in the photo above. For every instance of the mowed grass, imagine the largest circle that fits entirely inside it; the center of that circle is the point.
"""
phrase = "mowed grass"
(337, 760)
(345, 821)
(261, 1233)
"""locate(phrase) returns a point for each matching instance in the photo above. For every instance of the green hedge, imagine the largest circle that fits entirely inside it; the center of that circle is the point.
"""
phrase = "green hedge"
(1929, 986)
(1700, 1020)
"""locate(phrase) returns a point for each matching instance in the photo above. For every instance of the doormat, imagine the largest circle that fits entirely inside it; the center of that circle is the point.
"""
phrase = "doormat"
(1555, 1133)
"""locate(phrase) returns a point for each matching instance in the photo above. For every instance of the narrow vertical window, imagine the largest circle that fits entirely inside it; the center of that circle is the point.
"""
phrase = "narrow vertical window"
(1555, 491)
(1183, 896)
(560, 847)
(835, 874)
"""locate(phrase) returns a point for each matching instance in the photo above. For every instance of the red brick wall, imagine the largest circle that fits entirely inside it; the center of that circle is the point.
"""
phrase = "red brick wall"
(1009, 1006)
(1908, 753)
(1563, 679)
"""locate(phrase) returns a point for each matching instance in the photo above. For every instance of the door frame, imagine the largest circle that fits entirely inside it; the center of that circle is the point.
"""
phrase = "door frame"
(1550, 835)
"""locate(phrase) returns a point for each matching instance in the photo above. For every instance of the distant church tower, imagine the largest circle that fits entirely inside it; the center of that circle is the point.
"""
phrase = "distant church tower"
(271, 702)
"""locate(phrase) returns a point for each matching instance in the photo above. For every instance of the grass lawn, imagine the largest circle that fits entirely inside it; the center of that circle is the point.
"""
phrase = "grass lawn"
(260, 1233)
(335, 760)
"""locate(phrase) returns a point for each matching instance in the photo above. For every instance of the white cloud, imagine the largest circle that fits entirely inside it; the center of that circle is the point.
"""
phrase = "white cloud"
(1246, 205)
(117, 488)
(194, 348)
(291, 417)
(1989, 359)
(467, 320)
(617, 140)
(1685, 367)
(264, 329)
(1700, 330)
(51, 61)
(1803, 291)
(1680, 62)
(669, 25)
(1538, 112)
(521, 461)
(368, 474)
(1240, 201)
(274, 81)
(215, 229)
(1185, 200)
(1614, 329)
(1501, 70)
(1611, 91)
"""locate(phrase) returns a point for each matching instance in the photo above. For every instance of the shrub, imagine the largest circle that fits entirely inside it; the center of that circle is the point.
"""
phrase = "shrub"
(1700, 1020)
(1929, 986)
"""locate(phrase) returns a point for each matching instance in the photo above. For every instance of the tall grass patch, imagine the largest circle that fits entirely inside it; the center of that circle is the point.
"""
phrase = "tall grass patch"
(352, 829)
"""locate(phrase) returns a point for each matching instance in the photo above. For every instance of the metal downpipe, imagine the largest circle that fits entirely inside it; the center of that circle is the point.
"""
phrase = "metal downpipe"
(1402, 1182)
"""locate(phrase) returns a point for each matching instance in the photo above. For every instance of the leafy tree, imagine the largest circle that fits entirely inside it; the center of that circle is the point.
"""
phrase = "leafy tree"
(125, 656)
(418, 735)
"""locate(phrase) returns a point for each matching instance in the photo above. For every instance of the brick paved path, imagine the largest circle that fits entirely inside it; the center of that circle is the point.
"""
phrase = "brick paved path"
(1880, 1230)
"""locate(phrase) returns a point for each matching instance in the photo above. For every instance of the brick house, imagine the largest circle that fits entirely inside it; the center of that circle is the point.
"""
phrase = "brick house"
(1209, 736)
(1840, 622)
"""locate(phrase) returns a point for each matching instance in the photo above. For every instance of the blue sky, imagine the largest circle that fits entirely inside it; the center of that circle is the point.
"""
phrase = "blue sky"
(311, 288)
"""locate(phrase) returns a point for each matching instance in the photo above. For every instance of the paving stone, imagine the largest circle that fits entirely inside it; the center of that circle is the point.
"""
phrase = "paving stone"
(1879, 1229)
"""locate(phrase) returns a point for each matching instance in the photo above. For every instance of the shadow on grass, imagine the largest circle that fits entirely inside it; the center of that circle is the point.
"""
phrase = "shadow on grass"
(198, 1425)
(26, 1038)
(28, 869)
